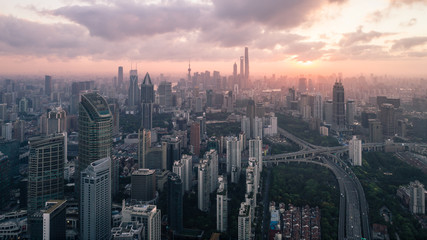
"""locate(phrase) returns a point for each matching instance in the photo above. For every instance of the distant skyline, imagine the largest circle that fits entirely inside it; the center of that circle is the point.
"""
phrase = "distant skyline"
(284, 37)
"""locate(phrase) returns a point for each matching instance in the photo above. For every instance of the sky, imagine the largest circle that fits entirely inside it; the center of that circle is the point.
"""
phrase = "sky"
(284, 37)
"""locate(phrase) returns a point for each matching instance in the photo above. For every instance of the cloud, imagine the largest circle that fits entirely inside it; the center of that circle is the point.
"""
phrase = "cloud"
(359, 36)
(399, 3)
(409, 23)
(408, 43)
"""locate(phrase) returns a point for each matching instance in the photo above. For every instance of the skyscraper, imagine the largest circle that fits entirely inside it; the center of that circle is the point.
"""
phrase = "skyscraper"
(338, 104)
(302, 85)
(329, 106)
(250, 113)
(246, 64)
(54, 121)
(233, 157)
(203, 186)
(184, 169)
(244, 222)
(350, 111)
(165, 94)
(255, 151)
(195, 138)
(133, 97)
(144, 144)
(95, 135)
(46, 170)
(222, 205)
(175, 204)
(47, 85)
(147, 100)
(95, 200)
(4, 179)
(49, 222)
(235, 74)
(318, 107)
(148, 215)
(355, 151)
(388, 119)
(143, 185)
(120, 76)
(375, 131)
(417, 196)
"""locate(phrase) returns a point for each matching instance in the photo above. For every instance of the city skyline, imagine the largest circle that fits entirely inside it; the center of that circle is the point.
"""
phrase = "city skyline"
(303, 37)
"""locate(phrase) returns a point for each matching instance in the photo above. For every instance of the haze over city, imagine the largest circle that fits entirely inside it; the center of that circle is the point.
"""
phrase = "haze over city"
(285, 37)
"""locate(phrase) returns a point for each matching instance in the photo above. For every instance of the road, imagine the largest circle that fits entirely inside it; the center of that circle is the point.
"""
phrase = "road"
(353, 213)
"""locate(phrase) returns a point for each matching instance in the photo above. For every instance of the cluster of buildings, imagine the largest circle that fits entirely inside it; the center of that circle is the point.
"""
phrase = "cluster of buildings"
(413, 197)
(294, 222)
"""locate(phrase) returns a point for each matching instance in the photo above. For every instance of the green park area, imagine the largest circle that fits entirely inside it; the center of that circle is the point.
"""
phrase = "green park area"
(302, 184)
(302, 130)
(381, 174)
(281, 147)
(223, 129)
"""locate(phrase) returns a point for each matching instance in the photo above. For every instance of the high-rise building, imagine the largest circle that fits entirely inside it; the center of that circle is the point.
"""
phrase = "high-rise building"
(388, 119)
(175, 204)
(195, 138)
(350, 112)
(244, 222)
(3, 111)
(171, 151)
(203, 187)
(246, 64)
(212, 158)
(250, 113)
(143, 185)
(47, 85)
(302, 85)
(338, 104)
(120, 76)
(148, 215)
(19, 130)
(318, 107)
(255, 151)
(222, 205)
(46, 170)
(4, 179)
(95, 135)
(95, 200)
(375, 131)
(245, 126)
(164, 91)
(53, 121)
(147, 100)
(144, 144)
(133, 97)
(235, 79)
(328, 107)
(49, 222)
(233, 158)
(258, 127)
(184, 168)
(417, 197)
(115, 112)
(6, 131)
(355, 151)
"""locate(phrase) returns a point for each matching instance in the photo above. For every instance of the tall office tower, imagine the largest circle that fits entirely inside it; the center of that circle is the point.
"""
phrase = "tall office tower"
(175, 204)
(350, 112)
(171, 151)
(375, 131)
(222, 205)
(245, 126)
(133, 99)
(6, 131)
(4, 179)
(53, 121)
(244, 222)
(302, 85)
(147, 100)
(148, 215)
(120, 76)
(203, 186)
(187, 177)
(19, 130)
(143, 185)
(388, 119)
(47, 85)
(318, 107)
(3, 111)
(417, 196)
(233, 157)
(246, 64)
(23, 105)
(401, 128)
(202, 121)
(258, 127)
(212, 157)
(329, 106)
(144, 144)
(253, 174)
(165, 94)
(355, 151)
(235, 80)
(115, 112)
(250, 113)
(49, 222)
(338, 104)
(195, 138)
(255, 151)
(95, 135)
(95, 200)
(178, 168)
(46, 170)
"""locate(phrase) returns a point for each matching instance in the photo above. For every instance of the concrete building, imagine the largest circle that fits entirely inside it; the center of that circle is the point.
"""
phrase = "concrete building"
(212, 158)
(244, 229)
(328, 107)
(4, 179)
(417, 196)
(95, 200)
(49, 222)
(388, 119)
(128, 231)
(48, 86)
(133, 94)
(203, 186)
(350, 112)
(245, 126)
(375, 131)
(164, 92)
(148, 215)
(144, 144)
(195, 138)
(318, 107)
(355, 151)
(222, 205)
(143, 185)
(338, 107)
(54, 121)
(6, 131)
(147, 101)
(258, 127)
(233, 157)
(255, 151)
(46, 170)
